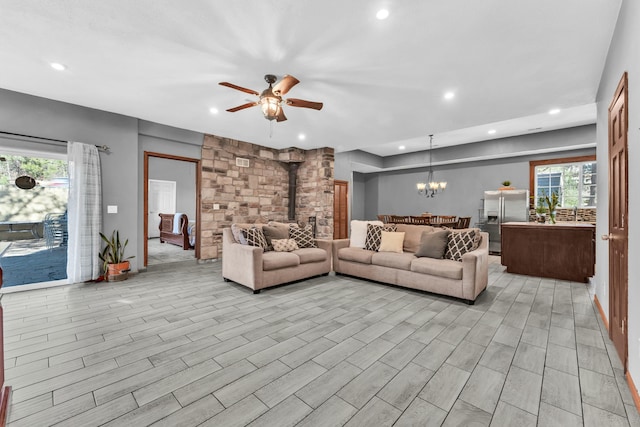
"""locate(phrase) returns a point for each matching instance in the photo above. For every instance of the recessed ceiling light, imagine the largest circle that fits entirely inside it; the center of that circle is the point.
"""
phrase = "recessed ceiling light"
(492, 132)
(554, 111)
(382, 14)
(58, 66)
(449, 95)
(213, 110)
(302, 137)
(402, 147)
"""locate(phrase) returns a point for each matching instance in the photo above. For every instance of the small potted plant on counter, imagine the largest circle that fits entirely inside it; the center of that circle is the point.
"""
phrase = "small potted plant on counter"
(116, 266)
(541, 211)
(552, 204)
(506, 185)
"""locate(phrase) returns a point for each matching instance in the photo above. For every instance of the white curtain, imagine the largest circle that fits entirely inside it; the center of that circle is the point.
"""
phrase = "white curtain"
(84, 212)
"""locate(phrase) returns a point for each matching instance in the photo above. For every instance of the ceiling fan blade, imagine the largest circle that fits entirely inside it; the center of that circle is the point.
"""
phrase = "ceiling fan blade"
(242, 107)
(240, 88)
(302, 103)
(281, 117)
(284, 85)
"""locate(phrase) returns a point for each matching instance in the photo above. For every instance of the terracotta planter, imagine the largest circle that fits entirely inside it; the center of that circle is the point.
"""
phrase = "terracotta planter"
(118, 272)
(503, 188)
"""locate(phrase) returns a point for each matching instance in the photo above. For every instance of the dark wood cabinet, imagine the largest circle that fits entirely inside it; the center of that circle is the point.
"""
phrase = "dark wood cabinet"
(564, 251)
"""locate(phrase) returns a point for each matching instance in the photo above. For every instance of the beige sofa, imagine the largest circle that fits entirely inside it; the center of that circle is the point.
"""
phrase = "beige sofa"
(464, 280)
(252, 267)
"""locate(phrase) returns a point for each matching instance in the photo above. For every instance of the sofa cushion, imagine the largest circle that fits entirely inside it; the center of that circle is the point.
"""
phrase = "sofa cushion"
(401, 261)
(358, 234)
(374, 235)
(284, 245)
(433, 244)
(461, 242)
(412, 235)
(355, 254)
(311, 255)
(303, 236)
(438, 267)
(277, 260)
(274, 233)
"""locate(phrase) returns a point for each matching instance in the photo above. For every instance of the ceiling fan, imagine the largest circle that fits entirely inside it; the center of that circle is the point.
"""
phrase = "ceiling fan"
(271, 98)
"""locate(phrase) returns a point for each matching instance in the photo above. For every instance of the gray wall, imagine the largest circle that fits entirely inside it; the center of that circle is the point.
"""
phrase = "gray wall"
(184, 175)
(623, 56)
(469, 170)
(121, 167)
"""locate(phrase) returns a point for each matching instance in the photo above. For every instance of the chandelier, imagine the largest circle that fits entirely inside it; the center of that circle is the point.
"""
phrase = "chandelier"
(431, 187)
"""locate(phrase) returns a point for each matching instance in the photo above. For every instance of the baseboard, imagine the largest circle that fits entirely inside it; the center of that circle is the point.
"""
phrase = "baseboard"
(604, 318)
(630, 383)
(634, 390)
(5, 395)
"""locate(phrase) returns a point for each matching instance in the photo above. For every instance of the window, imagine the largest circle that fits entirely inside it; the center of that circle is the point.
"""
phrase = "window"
(572, 179)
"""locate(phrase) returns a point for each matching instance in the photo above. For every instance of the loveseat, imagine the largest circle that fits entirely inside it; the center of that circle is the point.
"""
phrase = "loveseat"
(464, 279)
(257, 268)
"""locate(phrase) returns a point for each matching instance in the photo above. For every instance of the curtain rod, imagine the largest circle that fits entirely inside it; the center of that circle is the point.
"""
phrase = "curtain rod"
(100, 147)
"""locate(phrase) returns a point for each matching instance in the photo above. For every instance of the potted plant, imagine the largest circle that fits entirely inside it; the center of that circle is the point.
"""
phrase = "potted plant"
(541, 211)
(552, 203)
(506, 185)
(116, 266)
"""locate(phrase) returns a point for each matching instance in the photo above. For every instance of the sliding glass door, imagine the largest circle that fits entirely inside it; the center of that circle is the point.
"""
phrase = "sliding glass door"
(33, 218)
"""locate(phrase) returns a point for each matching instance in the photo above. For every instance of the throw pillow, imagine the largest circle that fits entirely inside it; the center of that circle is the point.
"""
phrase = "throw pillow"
(242, 237)
(303, 237)
(284, 245)
(391, 241)
(275, 232)
(374, 235)
(460, 243)
(236, 230)
(358, 235)
(433, 244)
(255, 237)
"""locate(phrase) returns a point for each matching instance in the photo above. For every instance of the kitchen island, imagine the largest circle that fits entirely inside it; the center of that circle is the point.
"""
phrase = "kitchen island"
(565, 250)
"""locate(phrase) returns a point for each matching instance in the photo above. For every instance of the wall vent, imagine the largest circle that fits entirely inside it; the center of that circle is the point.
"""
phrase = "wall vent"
(242, 162)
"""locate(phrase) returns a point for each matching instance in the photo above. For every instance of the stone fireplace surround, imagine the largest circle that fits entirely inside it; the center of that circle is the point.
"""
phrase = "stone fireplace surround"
(260, 192)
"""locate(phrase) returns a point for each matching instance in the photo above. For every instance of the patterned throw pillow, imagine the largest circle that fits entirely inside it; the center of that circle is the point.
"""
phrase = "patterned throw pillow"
(302, 236)
(460, 243)
(374, 235)
(255, 237)
(284, 245)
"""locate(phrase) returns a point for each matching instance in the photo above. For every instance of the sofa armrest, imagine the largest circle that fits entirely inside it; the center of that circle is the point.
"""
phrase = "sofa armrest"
(324, 244)
(475, 271)
(241, 263)
(337, 245)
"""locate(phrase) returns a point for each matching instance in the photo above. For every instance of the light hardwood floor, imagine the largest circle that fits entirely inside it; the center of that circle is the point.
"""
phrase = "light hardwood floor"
(183, 348)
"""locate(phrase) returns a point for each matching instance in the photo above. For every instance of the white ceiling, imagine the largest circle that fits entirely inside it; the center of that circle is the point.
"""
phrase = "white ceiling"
(382, 82)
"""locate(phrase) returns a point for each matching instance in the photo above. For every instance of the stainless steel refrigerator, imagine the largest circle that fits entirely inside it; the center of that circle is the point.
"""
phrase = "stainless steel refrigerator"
(503, 206)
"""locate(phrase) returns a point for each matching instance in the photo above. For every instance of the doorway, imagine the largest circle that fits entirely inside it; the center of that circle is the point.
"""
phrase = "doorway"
(171, 186)
(162, 199)
(340, 209)
(618, 220)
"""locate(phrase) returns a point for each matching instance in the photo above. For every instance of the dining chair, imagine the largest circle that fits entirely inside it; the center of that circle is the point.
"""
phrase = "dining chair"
(463, 222)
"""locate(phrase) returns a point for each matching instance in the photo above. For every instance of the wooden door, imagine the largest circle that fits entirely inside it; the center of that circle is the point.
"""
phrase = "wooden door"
(618, 220)
(340, 209)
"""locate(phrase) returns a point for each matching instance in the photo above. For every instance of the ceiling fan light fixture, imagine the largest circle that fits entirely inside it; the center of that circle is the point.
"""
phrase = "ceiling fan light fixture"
(270, 102)
(270, 106)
